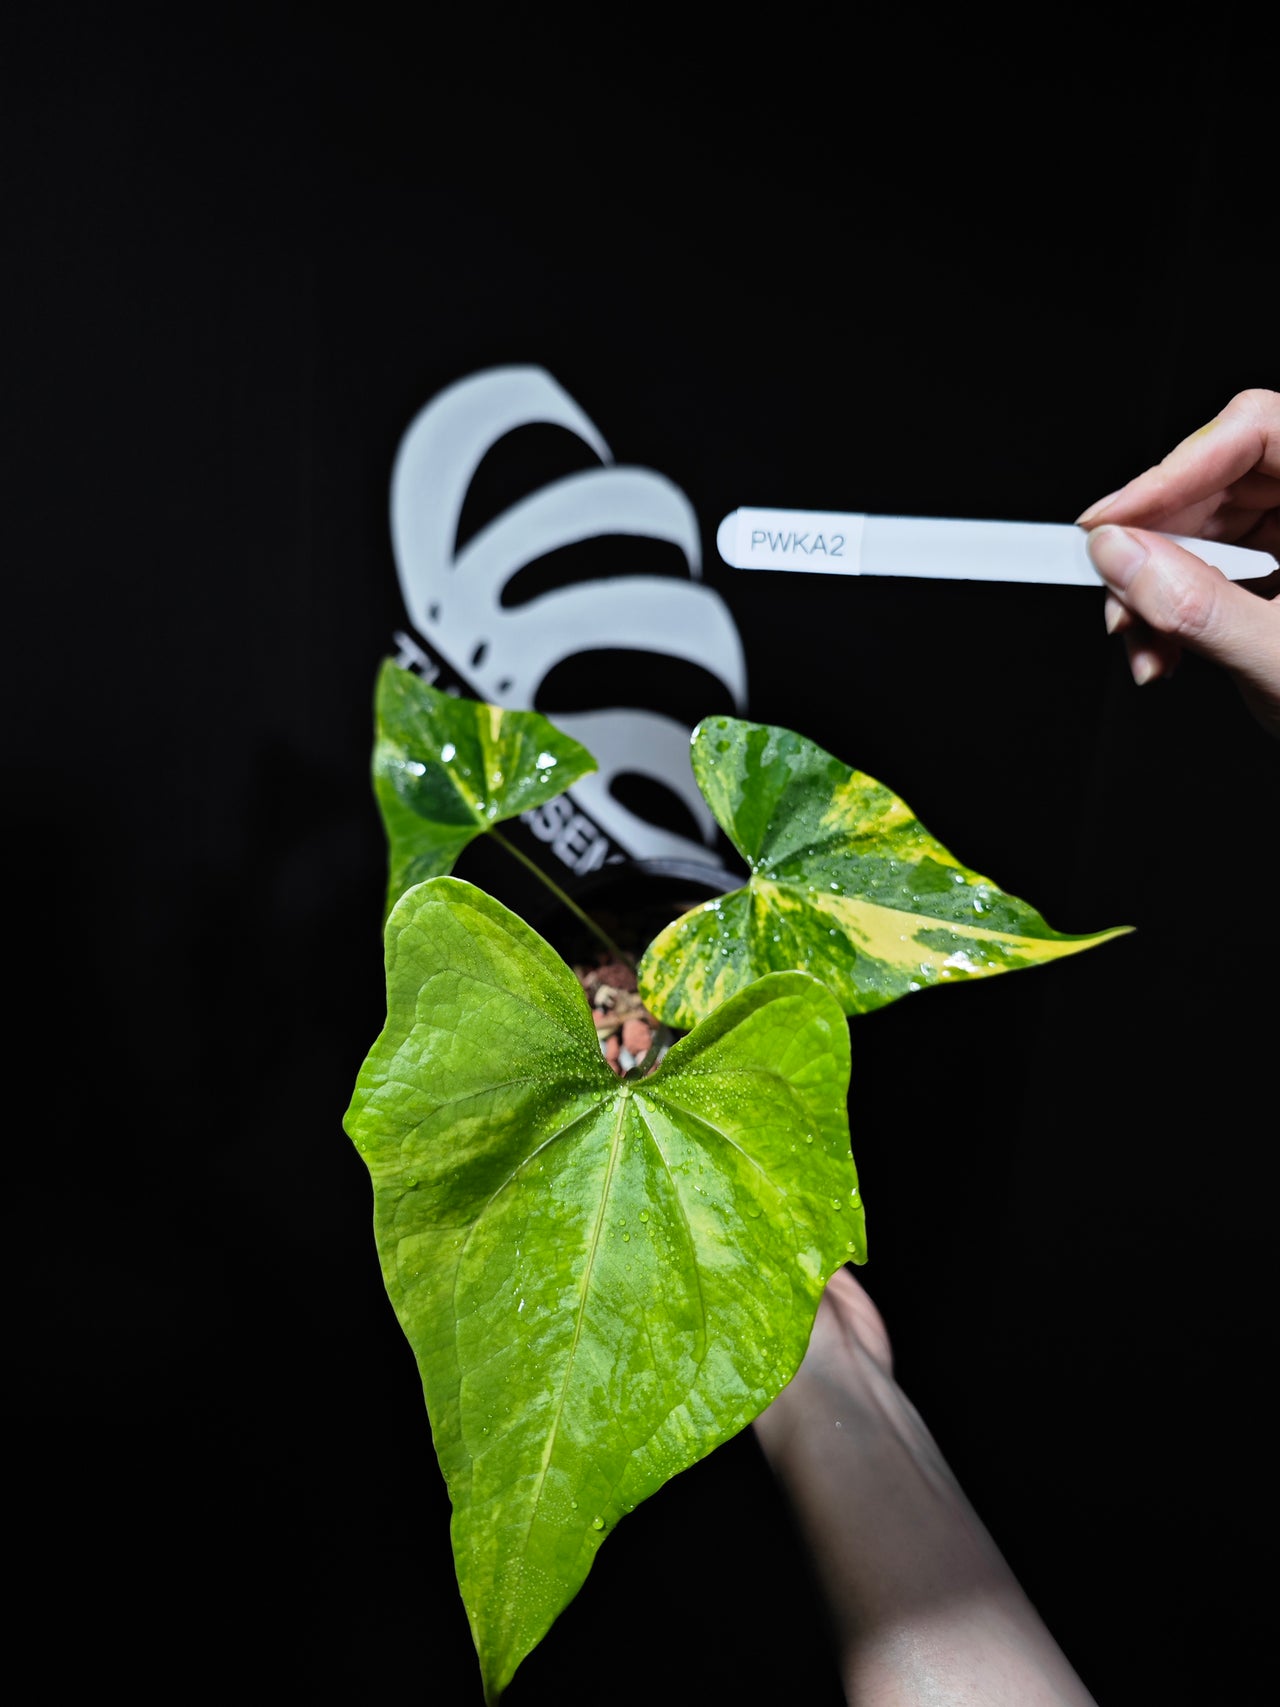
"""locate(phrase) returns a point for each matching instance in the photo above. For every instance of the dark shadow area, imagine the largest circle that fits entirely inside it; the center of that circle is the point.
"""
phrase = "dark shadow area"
(246, 247)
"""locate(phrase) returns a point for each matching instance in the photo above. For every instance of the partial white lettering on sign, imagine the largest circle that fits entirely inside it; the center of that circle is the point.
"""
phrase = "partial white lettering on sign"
(573, 837)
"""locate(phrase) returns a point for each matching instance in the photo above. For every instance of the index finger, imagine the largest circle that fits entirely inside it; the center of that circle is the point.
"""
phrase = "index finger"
(1244, 439)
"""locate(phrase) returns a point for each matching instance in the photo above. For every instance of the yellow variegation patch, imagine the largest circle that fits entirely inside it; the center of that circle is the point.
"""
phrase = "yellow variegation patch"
(846, 883)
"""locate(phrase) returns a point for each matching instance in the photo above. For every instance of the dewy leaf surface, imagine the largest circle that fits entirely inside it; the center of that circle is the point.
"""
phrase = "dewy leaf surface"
(602, 1279)
(845, 882)
(446, 769)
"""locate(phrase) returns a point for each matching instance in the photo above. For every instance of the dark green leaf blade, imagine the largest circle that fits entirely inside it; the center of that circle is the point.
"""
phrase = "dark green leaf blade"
(446, 769)
(845, 882)
(601, 1279)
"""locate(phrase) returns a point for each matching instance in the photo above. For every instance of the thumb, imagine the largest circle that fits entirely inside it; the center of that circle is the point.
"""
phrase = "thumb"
(1180, 596)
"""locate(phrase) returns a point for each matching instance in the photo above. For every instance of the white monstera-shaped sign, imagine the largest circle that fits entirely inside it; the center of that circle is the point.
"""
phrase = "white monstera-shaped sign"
(453, 595)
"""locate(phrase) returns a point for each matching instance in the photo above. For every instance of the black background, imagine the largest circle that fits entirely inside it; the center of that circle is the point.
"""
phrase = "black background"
(924, 270)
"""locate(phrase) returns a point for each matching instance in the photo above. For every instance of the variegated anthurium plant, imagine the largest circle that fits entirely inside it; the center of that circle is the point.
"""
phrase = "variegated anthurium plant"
(604, 1277)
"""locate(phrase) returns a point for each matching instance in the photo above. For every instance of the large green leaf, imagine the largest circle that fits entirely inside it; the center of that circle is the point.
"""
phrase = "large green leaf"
(446, 769)
(845, 882)
(602, 1279)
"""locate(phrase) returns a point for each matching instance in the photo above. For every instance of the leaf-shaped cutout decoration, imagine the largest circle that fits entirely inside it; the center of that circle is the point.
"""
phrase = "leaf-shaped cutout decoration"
(602, 1279)
(845, 882)
(446, 769)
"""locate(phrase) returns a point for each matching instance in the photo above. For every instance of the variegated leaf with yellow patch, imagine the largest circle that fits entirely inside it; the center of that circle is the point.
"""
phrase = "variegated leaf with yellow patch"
(846, 883)
(447, 769)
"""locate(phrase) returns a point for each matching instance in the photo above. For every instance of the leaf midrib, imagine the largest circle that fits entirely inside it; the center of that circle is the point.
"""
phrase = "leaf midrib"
(615, 1146)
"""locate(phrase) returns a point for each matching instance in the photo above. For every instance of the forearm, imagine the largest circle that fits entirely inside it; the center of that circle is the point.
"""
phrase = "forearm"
(924, 1609)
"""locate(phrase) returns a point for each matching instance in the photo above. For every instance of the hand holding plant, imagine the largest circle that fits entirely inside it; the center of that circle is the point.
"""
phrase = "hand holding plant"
(603, 1279)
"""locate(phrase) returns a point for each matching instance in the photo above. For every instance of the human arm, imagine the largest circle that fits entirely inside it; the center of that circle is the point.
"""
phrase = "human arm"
(923, 1607)
(1222, 482)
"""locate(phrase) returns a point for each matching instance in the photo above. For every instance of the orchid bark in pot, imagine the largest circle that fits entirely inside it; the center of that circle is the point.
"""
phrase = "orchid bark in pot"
(605, 1275)
(630, 901)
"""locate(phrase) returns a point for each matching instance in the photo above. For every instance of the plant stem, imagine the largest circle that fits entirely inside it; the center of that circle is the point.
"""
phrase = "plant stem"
(596, 930)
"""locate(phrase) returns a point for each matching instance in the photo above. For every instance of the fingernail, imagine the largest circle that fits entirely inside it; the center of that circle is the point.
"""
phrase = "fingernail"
(1116, 553)
(1112, 616)
(1143, 668)
(1087, 516)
